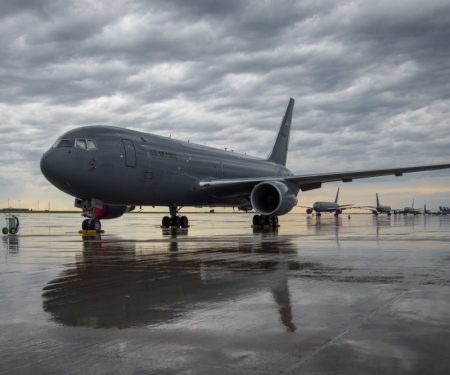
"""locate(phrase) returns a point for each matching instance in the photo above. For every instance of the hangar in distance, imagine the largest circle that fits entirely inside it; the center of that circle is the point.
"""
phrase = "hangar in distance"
(110, 170)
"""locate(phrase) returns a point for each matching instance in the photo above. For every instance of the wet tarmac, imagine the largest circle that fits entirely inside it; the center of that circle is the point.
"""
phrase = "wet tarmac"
(330, 296)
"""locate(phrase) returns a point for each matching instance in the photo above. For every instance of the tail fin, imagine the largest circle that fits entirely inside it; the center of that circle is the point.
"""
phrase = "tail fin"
(412, 206)
(280, 148)
(378, 200)
(337, 196)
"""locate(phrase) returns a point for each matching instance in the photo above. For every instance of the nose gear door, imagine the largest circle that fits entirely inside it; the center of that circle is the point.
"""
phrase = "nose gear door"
(130, 153)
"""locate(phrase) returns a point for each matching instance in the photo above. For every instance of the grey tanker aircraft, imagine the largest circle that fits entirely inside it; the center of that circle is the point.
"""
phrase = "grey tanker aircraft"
(380, 209)
(330, 207)
(110, 170)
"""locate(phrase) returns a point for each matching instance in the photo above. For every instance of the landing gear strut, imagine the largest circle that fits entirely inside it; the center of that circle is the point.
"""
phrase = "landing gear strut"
(263, 221)
(175, 220)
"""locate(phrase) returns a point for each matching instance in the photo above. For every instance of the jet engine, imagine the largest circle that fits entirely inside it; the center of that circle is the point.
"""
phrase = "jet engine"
(274, 197)
(309, 211)
(107, 211)
(337, 212)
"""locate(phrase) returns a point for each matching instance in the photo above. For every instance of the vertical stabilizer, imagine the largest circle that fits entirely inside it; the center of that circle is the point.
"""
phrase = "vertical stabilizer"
(280, 148)
(337, 196)
(378, 200)
(412, 206)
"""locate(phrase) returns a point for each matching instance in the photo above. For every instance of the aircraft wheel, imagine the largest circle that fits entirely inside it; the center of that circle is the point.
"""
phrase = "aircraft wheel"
(184, 221)
(5, 230)
(261, 221)
(95, 225)
(13, 230)
(176, 221)
(85, 224)
(274, 221)
(166, 222)
(255, 220)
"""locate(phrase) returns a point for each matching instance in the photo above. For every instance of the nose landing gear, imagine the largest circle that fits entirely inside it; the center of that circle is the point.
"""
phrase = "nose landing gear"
(92, 213)
(174, 220)
(91, 224)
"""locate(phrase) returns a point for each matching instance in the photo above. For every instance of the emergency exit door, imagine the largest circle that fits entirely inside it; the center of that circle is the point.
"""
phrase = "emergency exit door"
(130, 153)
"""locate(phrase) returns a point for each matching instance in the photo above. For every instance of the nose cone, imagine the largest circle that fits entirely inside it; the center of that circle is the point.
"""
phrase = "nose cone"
(46, 166)
(53, 168)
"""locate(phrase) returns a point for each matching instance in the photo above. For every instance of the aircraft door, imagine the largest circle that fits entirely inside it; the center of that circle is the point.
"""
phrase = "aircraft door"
(130, 153)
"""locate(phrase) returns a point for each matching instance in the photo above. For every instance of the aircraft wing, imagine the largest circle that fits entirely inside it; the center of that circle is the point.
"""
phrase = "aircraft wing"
(314, 181)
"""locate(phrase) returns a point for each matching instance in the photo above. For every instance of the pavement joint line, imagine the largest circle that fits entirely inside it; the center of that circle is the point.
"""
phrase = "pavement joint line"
(359, 322)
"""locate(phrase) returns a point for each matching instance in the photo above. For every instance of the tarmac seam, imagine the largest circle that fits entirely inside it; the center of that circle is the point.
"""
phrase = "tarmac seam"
(336, 338)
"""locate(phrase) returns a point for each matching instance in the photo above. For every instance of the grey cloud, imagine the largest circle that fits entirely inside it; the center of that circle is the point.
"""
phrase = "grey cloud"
(370, 80)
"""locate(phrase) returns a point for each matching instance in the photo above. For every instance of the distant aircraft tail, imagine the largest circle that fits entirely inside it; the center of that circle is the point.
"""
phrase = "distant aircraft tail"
(280, 148)
(378, 200)
(337, 196)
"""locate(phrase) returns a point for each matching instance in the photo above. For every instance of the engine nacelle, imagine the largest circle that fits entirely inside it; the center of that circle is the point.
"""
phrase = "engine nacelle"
(107, 211)
(274, 197)
(337, 212)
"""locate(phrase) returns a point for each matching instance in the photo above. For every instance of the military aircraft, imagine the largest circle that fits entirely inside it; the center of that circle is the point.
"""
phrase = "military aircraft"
(110, 170)
(320, 207)
(379, 209)
(408, 210)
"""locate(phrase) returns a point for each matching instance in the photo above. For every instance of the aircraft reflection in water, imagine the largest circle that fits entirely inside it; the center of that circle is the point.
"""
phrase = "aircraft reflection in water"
(113, 286)
(321, 226)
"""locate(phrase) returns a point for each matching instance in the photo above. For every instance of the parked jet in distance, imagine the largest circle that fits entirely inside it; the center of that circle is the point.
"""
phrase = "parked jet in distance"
(425, 211)
(379, 209)
(320, 207)
(110, 170)
(408, 210)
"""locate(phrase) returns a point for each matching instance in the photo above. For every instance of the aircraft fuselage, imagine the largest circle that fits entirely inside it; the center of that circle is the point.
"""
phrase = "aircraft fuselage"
(325, 207)
(130, 167)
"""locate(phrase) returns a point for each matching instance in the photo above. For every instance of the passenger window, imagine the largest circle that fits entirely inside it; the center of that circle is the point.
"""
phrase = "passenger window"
(66, 143)
(81, 143)
(91, 145)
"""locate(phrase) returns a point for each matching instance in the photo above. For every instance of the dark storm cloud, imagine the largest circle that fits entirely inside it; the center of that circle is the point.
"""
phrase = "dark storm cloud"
(370, 79)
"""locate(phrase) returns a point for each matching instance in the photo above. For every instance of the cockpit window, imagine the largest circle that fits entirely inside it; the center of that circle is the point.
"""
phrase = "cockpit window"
(81, 143)
(91, 144)
(85, 144)
(66, 143)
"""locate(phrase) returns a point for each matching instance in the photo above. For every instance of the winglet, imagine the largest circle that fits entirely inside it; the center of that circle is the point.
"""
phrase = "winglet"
(280, 148)
(337, 196)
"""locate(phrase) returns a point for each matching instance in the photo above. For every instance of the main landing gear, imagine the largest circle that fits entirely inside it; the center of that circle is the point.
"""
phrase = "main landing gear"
(174, 220)
(265, 222)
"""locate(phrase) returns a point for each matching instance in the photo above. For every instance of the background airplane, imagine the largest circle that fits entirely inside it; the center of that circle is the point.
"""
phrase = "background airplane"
(409, 210)
(320, 207)
(110, 170)
(380, 209)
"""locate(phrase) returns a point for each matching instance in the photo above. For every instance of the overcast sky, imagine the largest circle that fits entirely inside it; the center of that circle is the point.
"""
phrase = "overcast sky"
(371, 81)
